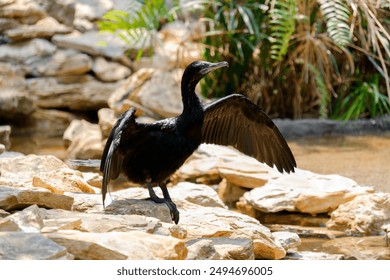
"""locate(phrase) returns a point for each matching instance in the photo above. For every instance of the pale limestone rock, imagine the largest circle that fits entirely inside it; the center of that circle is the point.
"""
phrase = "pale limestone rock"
(201, 249)
(62, 63)
(26, 52)
(93, 179)
(6, 2)
(303, 191)
(306, 255)
(63, 10)
(18, 171)
(109, 71)
(229, 192)
(57, 219)
(73, 92)
(198, 194)
(359, 248)
(120, 245)
(5, 132)
(308, 231)
(27, 220)
(162, 93)
(234, 248)
(288, 240)
(44, 28)
(92, 9)
(2, 148)
(94, 43)
(83, 140)
(62, 180)
(207, 222)
(107, 120)
(125, 96)
(365, 214)
(212, 162)
(26, 11)
(7, 23)
(30, 246)
(4, 214)
(16, 198)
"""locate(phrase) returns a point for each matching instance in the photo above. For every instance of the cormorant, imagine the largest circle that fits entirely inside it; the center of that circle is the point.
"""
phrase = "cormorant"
(149, 153)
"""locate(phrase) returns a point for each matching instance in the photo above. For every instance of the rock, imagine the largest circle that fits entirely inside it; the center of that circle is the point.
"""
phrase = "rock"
(365, 214)
(386, 228)
(14, 100)
(28, 220)
(63, 11)
(359, 248)
(304, 255)
(302, 231)
(124, 96)
(210, 163)
(7, 23)
(196, 193)
(4, 214)
(18, 171)
(26, 11)
(26, 52)
(208, 222)
(73, 92)
(5, 132)
(62, 180)
(62, 63)
(30, 246)
(83, 140)
(230, 193)
(107, 120)
(120, 245)
(21, 197)
(288, 240)
(92, 9)
(44, 28)
(304, 192)
(161, 94)
(201, 249)
(234, 248)
(109, 71)
(91, 43)
(2, 148)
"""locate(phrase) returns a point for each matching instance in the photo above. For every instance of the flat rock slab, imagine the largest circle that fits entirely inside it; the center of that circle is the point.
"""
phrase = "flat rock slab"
(21, 197)
(304, 192)
(28, 220)
(364, 215)
(30, 246)
(134, 245)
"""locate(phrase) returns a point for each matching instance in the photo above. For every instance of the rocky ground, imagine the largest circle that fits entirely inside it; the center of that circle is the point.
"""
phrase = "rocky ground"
(56, 68)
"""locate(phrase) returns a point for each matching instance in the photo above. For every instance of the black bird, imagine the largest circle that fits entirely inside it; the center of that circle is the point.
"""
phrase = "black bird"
(150, 153)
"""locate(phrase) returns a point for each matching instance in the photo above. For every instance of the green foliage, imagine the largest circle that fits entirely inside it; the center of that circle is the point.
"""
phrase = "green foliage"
(336, 14)
(236, 29)
(282, 25)
(139, 24)
(364, 100)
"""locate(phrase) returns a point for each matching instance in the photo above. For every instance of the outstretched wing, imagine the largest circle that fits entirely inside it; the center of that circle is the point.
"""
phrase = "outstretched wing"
(112, 159)
(236, 121)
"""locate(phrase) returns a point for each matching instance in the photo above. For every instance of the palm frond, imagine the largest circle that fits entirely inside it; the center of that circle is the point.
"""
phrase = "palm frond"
(282, 26)
(337, 15)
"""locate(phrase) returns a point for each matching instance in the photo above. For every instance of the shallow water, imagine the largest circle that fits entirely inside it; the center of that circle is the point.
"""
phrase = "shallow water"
(364, 159)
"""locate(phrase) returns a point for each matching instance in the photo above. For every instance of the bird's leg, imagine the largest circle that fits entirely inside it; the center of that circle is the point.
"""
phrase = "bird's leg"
(167, 200)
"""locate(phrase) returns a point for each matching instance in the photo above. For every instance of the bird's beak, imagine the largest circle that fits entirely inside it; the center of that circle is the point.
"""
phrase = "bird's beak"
(213, 66)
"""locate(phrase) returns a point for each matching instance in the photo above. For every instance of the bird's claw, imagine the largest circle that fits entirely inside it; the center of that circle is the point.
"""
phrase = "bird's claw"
(173, 210)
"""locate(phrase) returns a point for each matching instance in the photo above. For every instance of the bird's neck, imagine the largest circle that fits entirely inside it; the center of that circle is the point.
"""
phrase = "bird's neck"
(191, 102)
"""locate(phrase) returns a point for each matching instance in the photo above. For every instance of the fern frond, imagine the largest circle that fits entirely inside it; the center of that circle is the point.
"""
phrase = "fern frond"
(282, 26)
(336, 14)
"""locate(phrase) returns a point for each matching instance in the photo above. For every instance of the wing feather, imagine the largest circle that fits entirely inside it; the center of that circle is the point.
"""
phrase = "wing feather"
(236, 121)
(112, 159)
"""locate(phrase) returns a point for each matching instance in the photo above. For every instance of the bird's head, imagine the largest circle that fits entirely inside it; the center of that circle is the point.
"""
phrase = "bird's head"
(198, 69)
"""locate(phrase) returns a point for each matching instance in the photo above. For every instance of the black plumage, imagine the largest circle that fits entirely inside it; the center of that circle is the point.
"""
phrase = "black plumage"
(150, 153)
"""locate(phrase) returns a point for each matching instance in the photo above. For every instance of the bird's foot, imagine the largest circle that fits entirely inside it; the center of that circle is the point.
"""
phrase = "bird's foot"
(171, 205)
